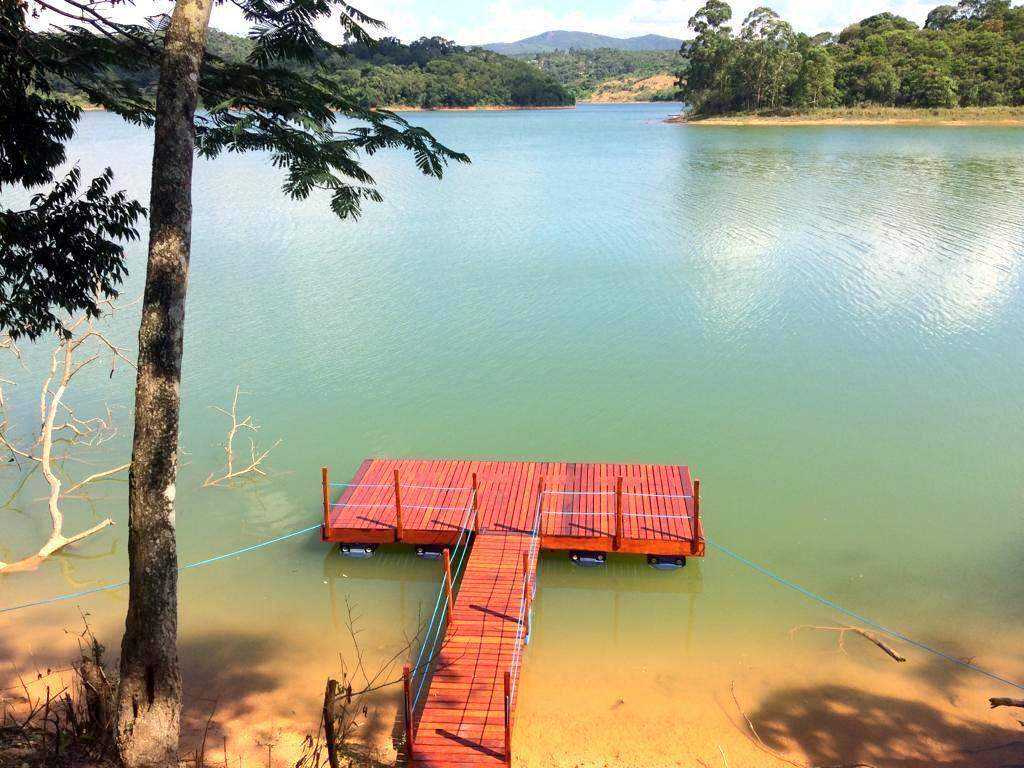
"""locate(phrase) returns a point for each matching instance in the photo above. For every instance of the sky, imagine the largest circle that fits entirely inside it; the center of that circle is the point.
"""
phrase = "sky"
(474, 22)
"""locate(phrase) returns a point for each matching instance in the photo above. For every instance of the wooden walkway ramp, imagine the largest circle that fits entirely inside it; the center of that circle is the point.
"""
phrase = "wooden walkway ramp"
(463, 720)
(492, 518)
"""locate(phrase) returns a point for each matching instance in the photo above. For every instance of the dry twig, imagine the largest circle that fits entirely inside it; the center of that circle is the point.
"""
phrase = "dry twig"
(257, 457)
(345, 708)
(855, 630)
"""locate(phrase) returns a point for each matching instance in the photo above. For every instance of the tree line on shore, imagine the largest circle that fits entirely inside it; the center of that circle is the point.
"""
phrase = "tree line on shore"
(966, 55)
(430, 73)
(434, 72)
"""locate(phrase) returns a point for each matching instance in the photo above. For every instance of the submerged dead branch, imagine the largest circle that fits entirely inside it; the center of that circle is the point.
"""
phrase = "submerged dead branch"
(257, 457)
(61, 429)
(843, 630)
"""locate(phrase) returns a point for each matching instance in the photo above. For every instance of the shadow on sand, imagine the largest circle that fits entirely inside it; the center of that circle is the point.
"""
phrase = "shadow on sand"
(839, 725)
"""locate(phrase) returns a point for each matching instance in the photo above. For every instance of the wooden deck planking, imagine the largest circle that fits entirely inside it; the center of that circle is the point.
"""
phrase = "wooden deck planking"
(507, 502)
(460, 722)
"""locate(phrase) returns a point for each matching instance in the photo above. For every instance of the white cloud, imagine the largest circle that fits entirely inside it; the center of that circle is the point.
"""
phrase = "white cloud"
(506, 21)
(470, 22)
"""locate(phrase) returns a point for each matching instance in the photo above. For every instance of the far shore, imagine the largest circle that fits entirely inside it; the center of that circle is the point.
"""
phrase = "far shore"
(408, 108)
(478, 108)
(967, 116)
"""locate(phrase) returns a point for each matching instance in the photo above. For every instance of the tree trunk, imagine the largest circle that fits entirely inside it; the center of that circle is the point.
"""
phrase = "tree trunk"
(149, 694)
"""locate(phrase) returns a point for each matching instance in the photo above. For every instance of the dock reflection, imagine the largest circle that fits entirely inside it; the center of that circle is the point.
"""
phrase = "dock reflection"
(398, 582)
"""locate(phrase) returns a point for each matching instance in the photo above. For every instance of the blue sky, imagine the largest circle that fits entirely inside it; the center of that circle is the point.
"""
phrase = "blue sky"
(487, 21)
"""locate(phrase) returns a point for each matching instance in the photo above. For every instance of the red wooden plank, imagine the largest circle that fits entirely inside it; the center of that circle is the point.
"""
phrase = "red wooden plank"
(659, 521)
(370, 506)
(461, 721)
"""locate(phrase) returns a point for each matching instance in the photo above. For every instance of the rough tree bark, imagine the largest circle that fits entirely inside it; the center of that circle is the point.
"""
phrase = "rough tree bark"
(149, 693)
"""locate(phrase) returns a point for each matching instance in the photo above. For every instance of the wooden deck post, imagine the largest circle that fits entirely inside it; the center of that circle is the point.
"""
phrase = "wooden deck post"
(508, 718)
(398, 508)
(327, 499)
(617, 540)
(696, 515)
(476, 509)
(408, 713)
(446, 556)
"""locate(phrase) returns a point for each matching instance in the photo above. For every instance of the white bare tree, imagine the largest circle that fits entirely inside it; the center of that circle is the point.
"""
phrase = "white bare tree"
(60, 430)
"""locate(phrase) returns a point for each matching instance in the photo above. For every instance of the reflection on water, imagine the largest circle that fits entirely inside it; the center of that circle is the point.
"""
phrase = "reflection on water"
(824, 322)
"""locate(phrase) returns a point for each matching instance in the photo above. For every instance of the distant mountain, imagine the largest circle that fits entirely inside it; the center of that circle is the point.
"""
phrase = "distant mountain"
(562, 40)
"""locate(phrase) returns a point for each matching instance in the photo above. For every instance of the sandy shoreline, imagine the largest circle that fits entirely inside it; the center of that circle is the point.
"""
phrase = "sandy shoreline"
(995, 116)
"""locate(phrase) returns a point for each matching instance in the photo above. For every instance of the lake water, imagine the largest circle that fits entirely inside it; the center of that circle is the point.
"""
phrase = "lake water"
(823, 322)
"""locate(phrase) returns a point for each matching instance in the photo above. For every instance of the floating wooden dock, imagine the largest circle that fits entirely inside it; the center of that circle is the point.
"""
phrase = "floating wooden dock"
(492, 519)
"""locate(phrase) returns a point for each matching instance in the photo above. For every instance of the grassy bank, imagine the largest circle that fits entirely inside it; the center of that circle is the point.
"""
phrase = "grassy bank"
(866, 116)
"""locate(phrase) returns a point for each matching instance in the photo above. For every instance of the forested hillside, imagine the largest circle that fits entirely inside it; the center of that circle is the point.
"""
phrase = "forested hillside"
(564, 40)
(611, 74)
(966, 55)
(429, 73)
(434, 72)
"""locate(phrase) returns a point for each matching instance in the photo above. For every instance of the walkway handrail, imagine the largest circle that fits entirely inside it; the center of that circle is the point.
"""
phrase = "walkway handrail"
(442, 605)
(612, 491)
(618, 514)
(527, 595)
(404, 485)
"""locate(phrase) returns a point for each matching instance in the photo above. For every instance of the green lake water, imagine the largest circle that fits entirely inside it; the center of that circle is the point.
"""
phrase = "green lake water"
(823, 322)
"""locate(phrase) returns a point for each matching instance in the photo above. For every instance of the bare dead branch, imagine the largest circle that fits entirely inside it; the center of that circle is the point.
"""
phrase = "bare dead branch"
(256, 458)
(855, 630)
(67, 432)
(97, 476)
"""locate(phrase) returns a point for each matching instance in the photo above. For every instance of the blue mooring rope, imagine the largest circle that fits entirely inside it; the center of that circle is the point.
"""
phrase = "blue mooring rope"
(189, 566)
(714, 544)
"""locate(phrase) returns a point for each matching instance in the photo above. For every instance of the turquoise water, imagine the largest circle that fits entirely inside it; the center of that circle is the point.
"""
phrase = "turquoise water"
(823, 322)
